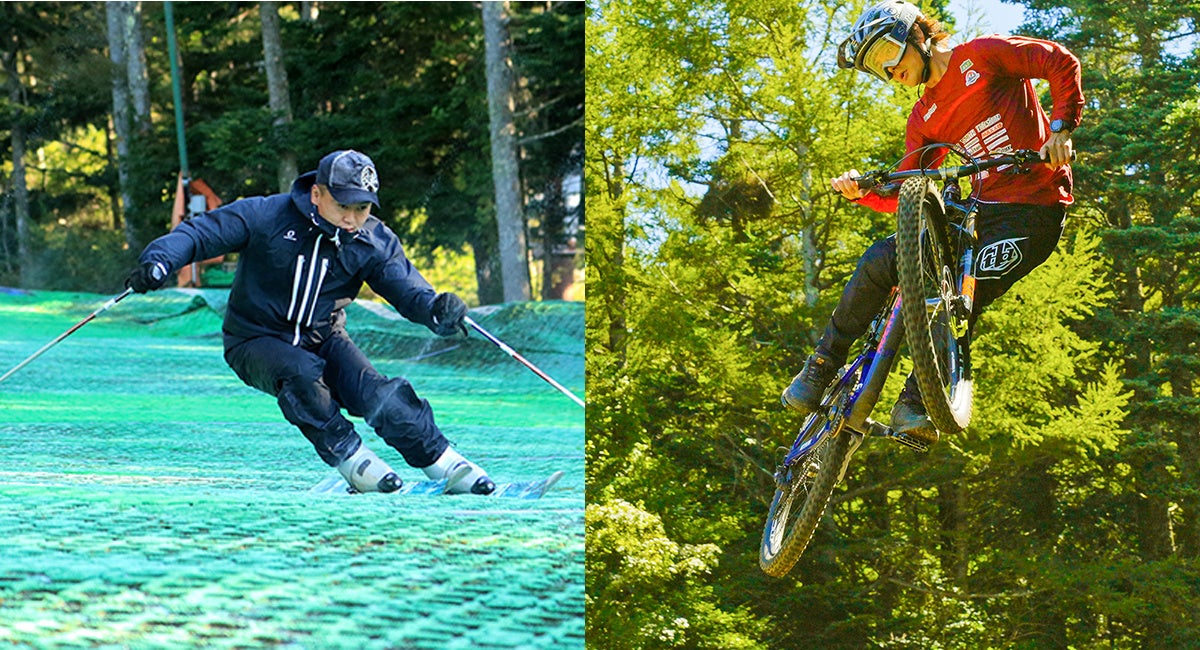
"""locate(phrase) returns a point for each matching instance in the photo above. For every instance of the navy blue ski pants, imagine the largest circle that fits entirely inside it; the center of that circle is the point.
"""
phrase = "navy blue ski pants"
(313, 385)
(1014, 239)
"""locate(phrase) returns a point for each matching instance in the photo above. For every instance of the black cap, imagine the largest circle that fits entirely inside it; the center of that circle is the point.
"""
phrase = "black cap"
(350, 177)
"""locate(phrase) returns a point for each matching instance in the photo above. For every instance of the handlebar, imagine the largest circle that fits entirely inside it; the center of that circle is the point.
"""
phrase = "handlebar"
(1021, 157)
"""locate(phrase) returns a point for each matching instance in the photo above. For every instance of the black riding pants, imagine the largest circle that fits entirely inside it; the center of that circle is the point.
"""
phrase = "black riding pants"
(313, 385)
(1014, 239)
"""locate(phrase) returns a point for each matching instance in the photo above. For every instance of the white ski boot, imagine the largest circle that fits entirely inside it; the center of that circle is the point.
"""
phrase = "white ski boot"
(474, 482)
(366, 472)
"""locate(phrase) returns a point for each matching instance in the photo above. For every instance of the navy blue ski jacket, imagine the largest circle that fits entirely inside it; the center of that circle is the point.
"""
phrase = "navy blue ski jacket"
(294, 274)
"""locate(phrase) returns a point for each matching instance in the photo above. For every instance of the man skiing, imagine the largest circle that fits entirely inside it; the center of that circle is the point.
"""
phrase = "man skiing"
(304, 256)
(979, 97)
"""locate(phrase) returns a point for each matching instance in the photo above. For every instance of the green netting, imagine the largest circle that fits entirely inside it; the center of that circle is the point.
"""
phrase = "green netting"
(149, 499)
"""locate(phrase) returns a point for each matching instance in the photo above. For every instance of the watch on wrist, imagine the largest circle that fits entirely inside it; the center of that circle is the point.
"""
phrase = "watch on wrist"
(1058, 126)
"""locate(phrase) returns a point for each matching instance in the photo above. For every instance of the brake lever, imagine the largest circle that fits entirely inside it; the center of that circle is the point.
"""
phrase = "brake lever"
(869, 180)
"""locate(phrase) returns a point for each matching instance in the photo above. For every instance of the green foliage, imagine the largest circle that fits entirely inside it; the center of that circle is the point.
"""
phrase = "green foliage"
(717, 258)
(408, 88)
(645, 590)
(1029, 354)
(1138, 181)
(82, 258)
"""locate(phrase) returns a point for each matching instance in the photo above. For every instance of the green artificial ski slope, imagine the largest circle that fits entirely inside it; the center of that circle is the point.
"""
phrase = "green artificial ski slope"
(148, 499)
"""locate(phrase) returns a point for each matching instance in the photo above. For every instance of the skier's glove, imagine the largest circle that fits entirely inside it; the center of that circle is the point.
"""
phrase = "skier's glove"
(147, 277)
(448, 312)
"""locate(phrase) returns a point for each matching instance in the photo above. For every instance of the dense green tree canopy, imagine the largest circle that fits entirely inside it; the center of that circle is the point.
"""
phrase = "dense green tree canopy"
(401, 81)
(1065, 516)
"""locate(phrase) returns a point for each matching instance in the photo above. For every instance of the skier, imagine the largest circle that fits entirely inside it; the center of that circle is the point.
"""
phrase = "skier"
(304, 255)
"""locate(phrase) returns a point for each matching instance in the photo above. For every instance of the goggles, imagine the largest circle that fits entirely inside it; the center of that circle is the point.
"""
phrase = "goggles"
(882, 54)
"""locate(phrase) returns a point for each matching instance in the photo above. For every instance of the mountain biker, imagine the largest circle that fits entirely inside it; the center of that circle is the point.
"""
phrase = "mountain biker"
(305, 255)
(980, 97)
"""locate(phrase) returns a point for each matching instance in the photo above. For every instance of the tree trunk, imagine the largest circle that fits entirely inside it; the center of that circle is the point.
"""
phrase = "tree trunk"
(952, 553)
(5, 236)
(115, 13)
(487, 271)
(1152, 511)
(506, 176)
(135, 62)
(309, 10)
(114, 188)
(810, 251)
(558, 253)
(608, 240)
(277, 87)
(16, 95)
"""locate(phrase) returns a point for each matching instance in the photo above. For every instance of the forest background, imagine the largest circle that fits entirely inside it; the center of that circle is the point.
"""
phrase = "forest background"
(1068, 515)
(88, 114)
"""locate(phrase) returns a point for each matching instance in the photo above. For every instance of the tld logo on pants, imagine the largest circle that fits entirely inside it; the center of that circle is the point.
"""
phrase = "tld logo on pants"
(998, 258)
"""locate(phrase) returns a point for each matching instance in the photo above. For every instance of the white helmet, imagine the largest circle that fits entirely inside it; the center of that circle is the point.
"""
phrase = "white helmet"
(880, 37)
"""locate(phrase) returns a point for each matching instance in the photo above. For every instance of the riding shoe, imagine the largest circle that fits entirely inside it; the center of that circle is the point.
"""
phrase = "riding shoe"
(909, 418)
(805, 392)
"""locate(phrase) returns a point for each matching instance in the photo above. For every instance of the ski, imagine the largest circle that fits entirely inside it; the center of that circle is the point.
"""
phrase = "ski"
(526, 489)
(514, 490)
(338, 485)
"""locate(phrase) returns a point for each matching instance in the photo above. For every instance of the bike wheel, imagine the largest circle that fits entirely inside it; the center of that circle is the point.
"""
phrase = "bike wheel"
(801, 494)
(934, 321)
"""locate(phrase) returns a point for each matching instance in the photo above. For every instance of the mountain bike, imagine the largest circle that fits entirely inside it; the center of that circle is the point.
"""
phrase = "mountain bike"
(931, 308)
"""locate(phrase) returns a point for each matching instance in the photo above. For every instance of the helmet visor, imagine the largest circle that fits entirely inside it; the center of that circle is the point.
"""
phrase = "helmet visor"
(884, 53)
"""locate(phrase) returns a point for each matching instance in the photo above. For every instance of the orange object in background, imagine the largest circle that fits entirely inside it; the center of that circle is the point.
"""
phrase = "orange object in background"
(196, 187)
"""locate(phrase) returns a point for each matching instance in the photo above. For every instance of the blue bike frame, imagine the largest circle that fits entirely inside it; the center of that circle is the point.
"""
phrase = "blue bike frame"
(868, 372)
(859, 386)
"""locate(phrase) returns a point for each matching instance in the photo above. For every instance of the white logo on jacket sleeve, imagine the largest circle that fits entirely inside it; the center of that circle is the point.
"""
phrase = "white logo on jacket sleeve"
(998, 258)
(972, 77)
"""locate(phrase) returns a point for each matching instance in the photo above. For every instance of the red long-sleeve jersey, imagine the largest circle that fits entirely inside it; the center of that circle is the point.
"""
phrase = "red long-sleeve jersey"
(986, 104)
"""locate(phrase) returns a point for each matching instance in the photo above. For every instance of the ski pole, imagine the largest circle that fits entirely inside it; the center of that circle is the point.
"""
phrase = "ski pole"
(513, 353)
(103, 308)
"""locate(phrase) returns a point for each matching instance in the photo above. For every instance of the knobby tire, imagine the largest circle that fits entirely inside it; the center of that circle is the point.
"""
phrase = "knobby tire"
(926, 266)
(785, 537)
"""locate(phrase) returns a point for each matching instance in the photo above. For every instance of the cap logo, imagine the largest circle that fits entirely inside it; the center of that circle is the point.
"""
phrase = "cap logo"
(369, 178)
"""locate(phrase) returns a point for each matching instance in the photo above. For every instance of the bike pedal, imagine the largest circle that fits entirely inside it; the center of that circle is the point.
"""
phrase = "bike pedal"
(909, 441)
(881, 430)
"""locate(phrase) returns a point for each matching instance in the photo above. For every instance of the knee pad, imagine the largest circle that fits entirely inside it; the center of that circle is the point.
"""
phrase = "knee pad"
(405, 422)
(309, 407)
(879, 263)
(306, 404)
(395, 404)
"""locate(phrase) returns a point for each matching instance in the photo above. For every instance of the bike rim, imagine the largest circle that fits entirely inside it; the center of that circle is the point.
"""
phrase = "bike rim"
(940, 291)
(802, 475)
